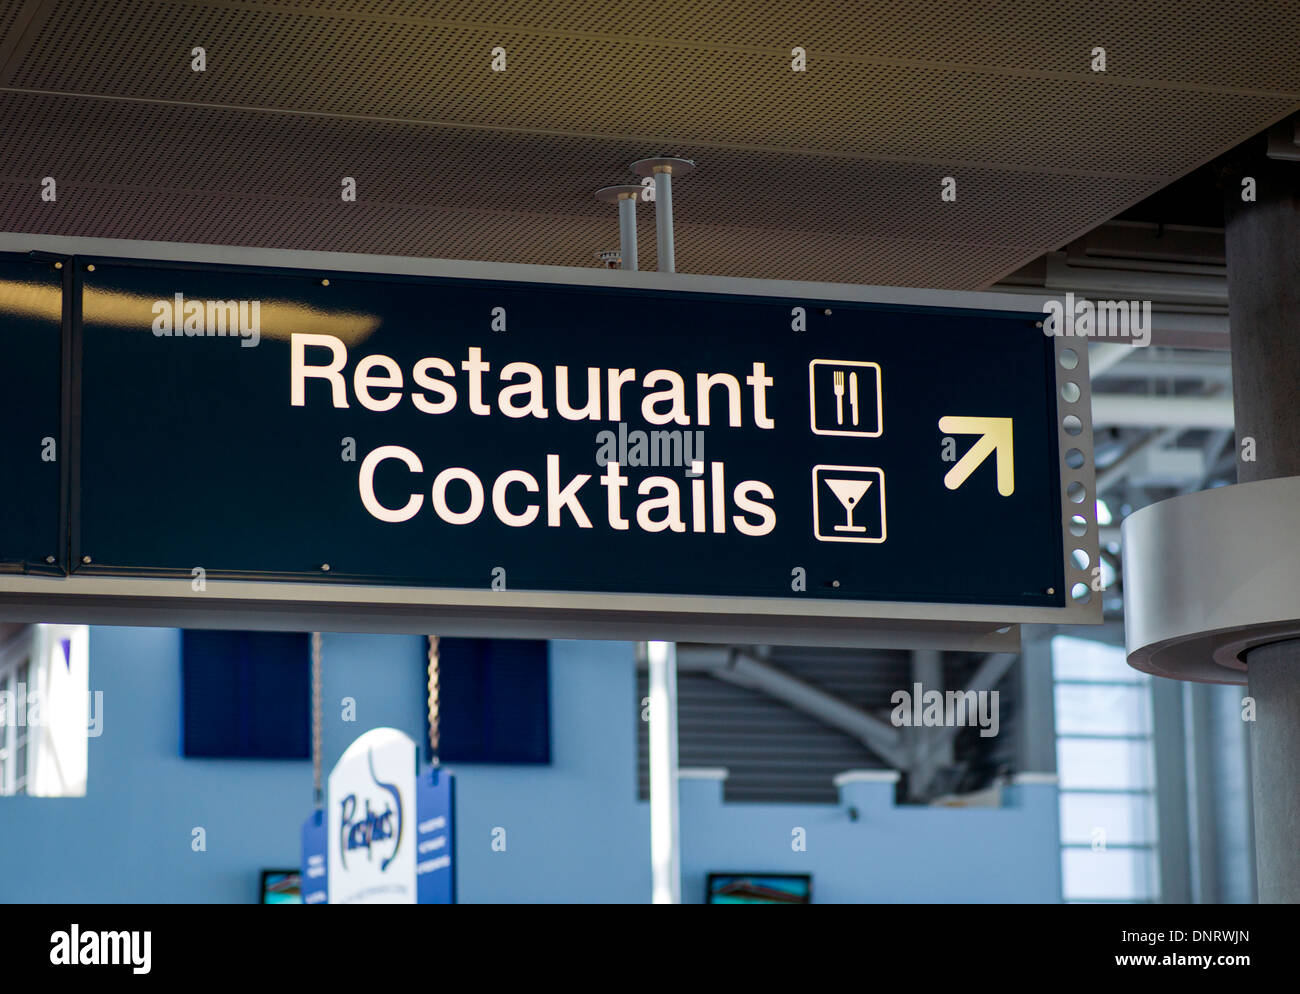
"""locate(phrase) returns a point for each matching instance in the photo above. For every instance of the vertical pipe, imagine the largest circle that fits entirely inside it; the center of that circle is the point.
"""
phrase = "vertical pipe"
(627, 229)
(665, 839)
(664, 218)
(662, 168)
(929, 749)
(1273, 675)
(1262, 239)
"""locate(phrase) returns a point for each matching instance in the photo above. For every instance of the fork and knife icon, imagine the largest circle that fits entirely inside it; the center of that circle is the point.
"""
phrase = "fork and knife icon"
(839, 396)
(856, 411)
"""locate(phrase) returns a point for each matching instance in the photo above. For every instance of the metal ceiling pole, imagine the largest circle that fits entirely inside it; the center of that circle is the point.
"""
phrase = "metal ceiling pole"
(1263, 249)
(627, 229)
(664, 219)
(662, 169)
(665, 827)
(625, 196)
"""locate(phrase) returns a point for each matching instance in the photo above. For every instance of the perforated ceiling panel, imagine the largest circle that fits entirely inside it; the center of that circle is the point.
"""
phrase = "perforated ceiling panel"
(832, 173)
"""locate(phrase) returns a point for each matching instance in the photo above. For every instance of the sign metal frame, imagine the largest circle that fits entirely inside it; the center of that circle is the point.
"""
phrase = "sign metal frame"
(341, 606)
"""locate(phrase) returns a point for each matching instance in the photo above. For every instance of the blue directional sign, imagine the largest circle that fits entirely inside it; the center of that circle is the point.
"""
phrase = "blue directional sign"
(483, 434)
(435, 837)
(315, 859)
(32, 456)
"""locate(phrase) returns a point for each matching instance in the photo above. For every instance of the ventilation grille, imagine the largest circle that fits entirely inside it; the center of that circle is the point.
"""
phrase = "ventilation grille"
(775, 754)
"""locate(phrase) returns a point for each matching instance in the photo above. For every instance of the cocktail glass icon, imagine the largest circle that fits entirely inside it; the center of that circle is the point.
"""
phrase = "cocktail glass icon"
(850, 493)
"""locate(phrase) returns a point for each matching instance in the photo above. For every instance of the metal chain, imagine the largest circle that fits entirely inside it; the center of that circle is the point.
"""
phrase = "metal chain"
(433, 698)
(316, 748)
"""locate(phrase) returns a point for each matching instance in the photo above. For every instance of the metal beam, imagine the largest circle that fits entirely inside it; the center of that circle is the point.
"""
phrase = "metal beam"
(1141, 364)
(931, 748)
(1215, 448)
(1105, 282)
(1167, 412)
(1116, 471)
(936, 743)
(987, 676)
(1103, 356)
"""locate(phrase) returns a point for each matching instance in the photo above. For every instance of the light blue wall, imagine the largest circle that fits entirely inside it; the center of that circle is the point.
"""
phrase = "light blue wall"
(889, 854)
(574, 830)
(129, 839)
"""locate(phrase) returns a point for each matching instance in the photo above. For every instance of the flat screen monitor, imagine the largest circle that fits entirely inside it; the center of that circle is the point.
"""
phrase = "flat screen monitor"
(759, 888)
(281, 887)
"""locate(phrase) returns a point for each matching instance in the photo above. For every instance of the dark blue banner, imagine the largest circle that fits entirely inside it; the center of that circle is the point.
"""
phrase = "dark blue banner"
(435, 837)
(315, 859)
(33, 538)
(514, 436)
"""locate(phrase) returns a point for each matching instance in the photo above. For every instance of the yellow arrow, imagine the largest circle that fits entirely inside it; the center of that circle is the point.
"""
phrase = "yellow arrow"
(996, 434)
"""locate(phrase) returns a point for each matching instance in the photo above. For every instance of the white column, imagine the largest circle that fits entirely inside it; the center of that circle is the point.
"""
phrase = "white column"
(664, 219)
(665, 841)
